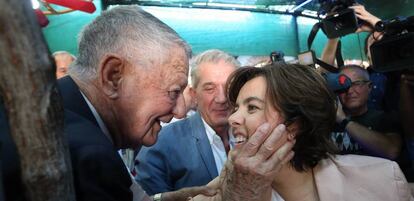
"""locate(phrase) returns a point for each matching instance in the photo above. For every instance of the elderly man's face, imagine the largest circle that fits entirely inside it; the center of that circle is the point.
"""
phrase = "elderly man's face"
(150, 96)
(210, 93)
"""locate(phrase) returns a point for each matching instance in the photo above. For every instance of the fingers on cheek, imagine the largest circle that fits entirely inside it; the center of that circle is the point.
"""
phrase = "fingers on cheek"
(283, 154)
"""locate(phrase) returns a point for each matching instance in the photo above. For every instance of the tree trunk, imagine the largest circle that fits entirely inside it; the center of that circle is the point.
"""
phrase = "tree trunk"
(33, 105)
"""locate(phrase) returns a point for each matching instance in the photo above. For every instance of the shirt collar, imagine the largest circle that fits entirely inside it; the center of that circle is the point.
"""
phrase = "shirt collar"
(211, 134)
(98, 118)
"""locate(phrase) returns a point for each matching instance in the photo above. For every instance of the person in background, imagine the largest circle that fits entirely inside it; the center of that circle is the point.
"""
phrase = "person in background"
(361, 130)
(201, 141)
(63, 60)
(384, 97)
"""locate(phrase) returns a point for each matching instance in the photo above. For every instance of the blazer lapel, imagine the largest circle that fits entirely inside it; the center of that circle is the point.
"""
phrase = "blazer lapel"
(203, 145)
(73, 99)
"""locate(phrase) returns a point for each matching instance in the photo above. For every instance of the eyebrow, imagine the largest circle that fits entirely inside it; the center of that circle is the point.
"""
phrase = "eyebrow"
(252, 98)
(208, 84)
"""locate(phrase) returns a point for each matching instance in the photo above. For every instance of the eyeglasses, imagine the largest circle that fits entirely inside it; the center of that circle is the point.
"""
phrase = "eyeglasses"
(359, 83)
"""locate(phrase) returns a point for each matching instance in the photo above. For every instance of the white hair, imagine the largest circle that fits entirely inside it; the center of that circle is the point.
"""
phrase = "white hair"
(126, 30)
(209, 56)
(62, 52)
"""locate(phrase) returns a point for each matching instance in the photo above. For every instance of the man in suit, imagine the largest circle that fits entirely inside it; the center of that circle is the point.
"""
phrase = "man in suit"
(202, 141)
(129, 77)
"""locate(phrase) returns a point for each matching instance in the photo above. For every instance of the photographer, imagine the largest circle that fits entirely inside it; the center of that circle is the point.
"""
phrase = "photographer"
(360, 136)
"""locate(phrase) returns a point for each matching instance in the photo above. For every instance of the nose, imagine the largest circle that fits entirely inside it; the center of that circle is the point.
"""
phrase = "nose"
(221, 95)
(179, 109)
(351, 89)
(235, 120)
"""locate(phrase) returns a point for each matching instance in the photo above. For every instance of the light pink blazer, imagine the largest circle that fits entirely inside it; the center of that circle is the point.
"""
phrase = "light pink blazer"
(352, 178)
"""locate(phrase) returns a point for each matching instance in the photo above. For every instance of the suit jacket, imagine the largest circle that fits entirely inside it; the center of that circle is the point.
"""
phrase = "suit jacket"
(98, 170)
(182, 157)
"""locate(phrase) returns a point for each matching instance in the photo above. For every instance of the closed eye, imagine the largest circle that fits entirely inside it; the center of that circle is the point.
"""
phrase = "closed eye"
(174, 94)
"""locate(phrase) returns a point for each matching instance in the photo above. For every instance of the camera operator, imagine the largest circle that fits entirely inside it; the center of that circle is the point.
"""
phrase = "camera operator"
(361, 137)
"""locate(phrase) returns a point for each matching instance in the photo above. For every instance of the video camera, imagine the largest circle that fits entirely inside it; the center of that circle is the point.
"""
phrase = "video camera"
(340, 19)
(395, 51)
(277, 56)
(337, 82)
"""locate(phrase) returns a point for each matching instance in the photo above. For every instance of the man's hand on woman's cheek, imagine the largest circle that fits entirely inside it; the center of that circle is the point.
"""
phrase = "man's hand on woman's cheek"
(255, 164)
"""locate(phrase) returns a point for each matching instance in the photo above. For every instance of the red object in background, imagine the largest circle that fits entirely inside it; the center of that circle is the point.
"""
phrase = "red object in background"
(84, 6)
(41, 18)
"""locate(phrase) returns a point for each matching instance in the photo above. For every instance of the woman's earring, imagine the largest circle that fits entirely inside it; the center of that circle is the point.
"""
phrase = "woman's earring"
(291, 136)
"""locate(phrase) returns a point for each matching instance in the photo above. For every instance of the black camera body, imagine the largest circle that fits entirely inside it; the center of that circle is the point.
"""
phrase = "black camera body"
(277, 56)
(395, 51)
(340, 20)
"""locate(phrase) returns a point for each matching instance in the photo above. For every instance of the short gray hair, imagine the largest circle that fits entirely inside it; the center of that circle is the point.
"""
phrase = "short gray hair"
(124, 30)
(62, 52)
(209, 56)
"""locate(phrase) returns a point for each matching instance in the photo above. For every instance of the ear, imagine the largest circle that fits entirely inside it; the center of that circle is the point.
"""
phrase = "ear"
(193, 94)
(112, 70)
(292, 130)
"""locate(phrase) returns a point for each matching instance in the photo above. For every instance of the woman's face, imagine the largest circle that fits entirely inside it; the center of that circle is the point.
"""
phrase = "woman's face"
(252, 109)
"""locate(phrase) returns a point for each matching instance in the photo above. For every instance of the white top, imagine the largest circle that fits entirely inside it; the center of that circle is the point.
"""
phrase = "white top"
(276, 196)
(217, 146)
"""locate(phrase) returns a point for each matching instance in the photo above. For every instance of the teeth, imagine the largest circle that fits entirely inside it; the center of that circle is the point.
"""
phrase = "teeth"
(240, 139)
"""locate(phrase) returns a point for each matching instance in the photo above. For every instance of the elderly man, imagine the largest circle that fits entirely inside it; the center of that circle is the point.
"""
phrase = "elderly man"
(63, 60)
(202, 141)
(129, 77)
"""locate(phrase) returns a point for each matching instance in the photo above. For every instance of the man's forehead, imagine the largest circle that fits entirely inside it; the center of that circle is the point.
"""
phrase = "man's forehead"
(354, 73)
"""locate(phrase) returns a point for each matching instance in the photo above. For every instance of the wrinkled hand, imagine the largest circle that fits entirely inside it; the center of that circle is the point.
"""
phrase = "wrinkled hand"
(369, 19)
(255, 164)
(184, 193)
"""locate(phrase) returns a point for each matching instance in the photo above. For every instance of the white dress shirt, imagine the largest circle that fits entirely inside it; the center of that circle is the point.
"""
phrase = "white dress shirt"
(217, 146)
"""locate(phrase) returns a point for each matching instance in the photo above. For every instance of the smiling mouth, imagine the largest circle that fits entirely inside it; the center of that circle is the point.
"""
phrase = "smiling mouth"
(239, 139)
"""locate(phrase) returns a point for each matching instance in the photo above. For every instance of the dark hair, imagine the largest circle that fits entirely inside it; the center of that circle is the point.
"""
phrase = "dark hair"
(301, 95)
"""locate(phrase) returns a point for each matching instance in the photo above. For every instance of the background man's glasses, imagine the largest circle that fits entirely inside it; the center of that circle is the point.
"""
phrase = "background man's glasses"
(359, 83)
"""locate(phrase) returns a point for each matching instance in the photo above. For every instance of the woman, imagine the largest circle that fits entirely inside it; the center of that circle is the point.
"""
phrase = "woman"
(298, 97)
